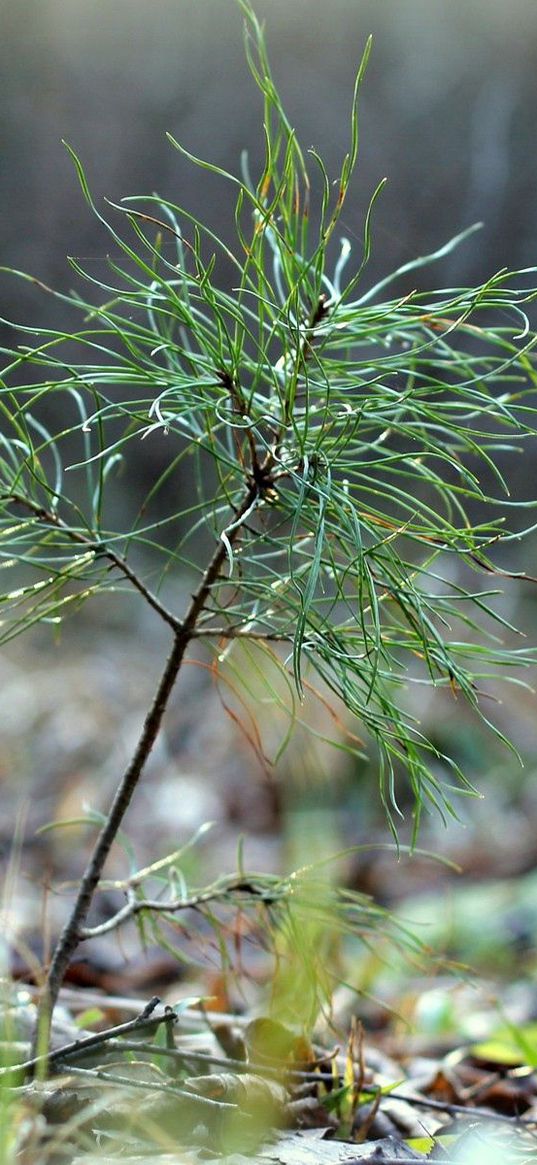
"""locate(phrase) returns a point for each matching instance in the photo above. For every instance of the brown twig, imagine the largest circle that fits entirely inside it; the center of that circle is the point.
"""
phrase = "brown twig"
(142, 1023)
(195, 1100)
(235, 885)
(240, 633)
(100, 548)
(464, 1110)
(238, 405)
(189, 1055)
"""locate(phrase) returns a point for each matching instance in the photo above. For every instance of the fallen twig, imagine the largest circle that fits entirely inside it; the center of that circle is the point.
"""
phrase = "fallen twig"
(204, 1102)
(142, 1022)
(465, 1110)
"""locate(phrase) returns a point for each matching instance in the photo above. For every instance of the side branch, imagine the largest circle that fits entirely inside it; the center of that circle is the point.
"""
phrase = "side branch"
(221, 892)
(117, 560)
(143, 1024)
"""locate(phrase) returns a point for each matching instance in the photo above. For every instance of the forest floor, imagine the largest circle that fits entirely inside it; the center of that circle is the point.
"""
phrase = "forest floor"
(188, 1043)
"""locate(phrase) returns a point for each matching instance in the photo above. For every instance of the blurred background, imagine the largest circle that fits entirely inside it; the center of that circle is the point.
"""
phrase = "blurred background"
(449, 114)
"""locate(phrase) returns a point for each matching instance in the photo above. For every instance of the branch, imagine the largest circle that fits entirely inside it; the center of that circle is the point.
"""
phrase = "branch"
(101, 548)
(197, 1105)
(187, 1056)
(240, 633)
(215, 893)
(239, 407)
(142, 1023)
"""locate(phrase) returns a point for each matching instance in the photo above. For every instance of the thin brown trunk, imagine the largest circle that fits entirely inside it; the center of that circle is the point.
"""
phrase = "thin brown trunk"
(71, 933)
